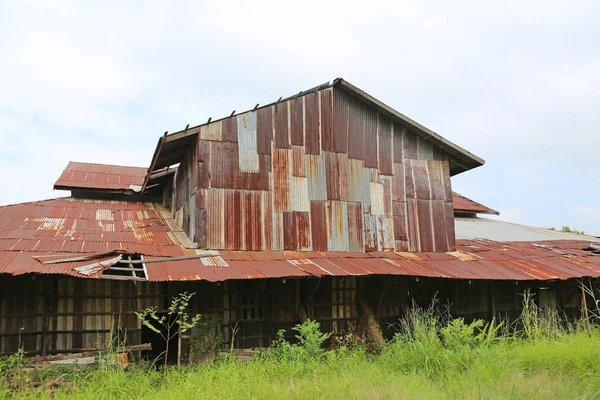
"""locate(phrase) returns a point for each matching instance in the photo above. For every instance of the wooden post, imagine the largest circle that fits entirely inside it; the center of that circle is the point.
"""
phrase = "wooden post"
(585, 310)
(492, 298)
(179, 345)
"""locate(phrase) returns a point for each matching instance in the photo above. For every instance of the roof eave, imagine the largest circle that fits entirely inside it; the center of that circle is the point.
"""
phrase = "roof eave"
(463, 159)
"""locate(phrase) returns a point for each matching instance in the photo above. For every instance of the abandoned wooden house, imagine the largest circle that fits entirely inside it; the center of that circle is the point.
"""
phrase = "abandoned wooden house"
(317, 206)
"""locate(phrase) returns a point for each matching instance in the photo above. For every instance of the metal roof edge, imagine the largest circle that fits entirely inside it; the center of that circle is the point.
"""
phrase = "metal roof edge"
(472, 161)
(490, 211)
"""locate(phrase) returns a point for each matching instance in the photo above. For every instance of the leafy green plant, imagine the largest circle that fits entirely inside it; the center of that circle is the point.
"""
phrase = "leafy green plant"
(310, 337)
(176, 322)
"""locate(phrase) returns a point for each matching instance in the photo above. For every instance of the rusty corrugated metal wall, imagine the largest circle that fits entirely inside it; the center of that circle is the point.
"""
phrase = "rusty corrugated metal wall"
(319, 172)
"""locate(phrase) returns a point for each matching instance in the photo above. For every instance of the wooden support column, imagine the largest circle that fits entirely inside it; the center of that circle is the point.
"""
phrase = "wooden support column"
(585, 309)
(492, 300)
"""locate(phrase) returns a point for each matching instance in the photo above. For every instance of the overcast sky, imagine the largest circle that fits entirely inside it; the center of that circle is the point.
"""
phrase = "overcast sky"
(517, 83)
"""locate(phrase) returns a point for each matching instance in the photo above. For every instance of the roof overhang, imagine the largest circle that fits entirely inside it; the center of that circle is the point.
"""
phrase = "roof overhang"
(461, 160)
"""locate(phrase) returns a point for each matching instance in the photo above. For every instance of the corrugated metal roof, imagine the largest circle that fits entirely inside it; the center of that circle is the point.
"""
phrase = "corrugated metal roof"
(485, 228)
(468, 206)
(83, 226)
(79, 175)
(96, 228)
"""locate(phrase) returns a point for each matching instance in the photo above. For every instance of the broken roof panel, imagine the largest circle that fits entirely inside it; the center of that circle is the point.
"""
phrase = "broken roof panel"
(86, 176)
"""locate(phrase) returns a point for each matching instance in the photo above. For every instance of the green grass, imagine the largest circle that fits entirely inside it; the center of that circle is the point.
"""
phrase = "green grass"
(431, 357)
(564, 367)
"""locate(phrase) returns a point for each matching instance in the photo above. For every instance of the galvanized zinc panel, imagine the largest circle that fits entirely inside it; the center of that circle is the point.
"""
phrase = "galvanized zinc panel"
(299, 200)
(337, 226)
(377, 202)
(315, 171)
(248, 151)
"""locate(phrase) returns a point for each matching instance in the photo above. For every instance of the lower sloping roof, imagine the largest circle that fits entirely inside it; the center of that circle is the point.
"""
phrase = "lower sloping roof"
(67, 235)
(485, 228)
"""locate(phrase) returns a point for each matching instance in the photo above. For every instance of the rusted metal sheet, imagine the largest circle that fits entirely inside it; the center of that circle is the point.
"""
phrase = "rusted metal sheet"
(385, 145)
(264, 130)
(296, 107)
(281, 179)
(203, 164)
(398, 181)
(399, 218)
(282, 129)
(398, 137)
(298, 168)
(315, 171)
(424, 149)
(421, 176)
(290, 237)
(215, 212)
(450, 232)
(247, 150)
(231, 229)
(409, 186)
(339, 137)
(299, 200)
(302, 230)
(326, 118)
(212, 131)
(436, 180)
(369, 137)
(278, 231)
(318, 220)
(224, 165)
(413, 225)
(440, 232)
(266, 219)
(337, 225)
(355, 129)
(465, 205)
(410, 145)
(265, 172)
(355, 227)
(332, 175)
(229, 130)
(312, 128)
(251, 213)
(100, 176)
(425, 225)
(447, 181)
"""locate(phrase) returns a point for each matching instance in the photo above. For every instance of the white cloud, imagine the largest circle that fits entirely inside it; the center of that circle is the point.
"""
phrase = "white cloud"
(516, 82)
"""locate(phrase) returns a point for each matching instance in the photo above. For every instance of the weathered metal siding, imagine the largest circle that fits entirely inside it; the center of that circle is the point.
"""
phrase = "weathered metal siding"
(320, 172)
